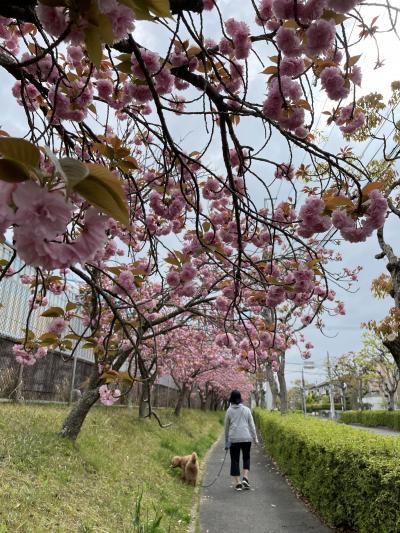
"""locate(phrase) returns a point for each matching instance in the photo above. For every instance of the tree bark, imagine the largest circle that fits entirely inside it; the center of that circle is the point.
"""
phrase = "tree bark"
(282, 393)
(144, 399)
(273, 386)
(282, 386)
(394, 349)
(180, 401)
(391, 400)
(73, 423)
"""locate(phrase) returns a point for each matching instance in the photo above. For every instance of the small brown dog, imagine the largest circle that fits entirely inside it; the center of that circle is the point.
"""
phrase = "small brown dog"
(189, 465)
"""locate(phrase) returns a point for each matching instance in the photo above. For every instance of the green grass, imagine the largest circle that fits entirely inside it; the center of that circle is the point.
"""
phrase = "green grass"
(51, 485)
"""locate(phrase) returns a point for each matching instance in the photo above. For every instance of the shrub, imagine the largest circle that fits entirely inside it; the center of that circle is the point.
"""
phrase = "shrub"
(351, 477)
(390, 419)
(322, 407)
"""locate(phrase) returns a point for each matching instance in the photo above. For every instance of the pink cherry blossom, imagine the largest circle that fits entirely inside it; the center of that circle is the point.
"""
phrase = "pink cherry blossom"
(52, 18)
(22, 356)
(311, 218)
(334, 84)
(291, 66)
(264, 12)
(209, 4)
(47, 212)
(349, 119)
(127, 280)
(107, 396)
(288, 42)
(283, 9)
(342, 6)
(320, 36)
(57, 325)
(239, 31)
(374, 219)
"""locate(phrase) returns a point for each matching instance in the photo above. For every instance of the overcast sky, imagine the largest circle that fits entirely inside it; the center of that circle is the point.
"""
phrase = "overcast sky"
(342, 333)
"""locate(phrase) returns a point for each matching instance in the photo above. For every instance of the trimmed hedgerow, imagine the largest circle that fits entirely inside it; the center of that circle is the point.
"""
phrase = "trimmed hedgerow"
(390, 419)
(351, 477)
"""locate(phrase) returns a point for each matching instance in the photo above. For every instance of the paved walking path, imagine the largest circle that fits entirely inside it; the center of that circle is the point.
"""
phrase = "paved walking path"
(378, 430)
(270, 507)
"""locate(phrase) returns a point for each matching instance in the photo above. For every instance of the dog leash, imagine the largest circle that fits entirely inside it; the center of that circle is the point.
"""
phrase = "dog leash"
(217, 476)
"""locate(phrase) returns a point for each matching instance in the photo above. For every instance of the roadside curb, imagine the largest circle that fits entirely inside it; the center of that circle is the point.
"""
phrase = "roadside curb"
(194, 526)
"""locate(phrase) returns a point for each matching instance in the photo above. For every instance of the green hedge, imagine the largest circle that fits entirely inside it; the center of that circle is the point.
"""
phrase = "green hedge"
(322, 407)
(390, 419)
(350, 476)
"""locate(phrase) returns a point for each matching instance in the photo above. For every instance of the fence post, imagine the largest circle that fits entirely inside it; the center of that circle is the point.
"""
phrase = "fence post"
(18, 389)
(71, 392)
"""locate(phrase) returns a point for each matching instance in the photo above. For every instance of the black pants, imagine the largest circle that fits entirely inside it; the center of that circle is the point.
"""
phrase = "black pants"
(235, 456)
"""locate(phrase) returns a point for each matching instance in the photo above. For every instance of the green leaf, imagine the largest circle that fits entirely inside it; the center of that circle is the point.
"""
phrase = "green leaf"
(13, 171)
(328, 14)
(105, 28)
(160, 7)
(74, 170)
(105, 150)
(124, 57)
(128, 164)
(53, 312)
(145, 9)
(115, 270)
(30, 335)
(70, 306)
(88, 346)
(20, 150)
(172, 261)
(124, 376)
(72, 336)
(103, 190)
(93, 45)
(49, 337)
(125, 67)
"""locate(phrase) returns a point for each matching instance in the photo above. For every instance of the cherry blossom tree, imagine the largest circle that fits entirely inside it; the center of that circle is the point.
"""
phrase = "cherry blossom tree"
(104, 184)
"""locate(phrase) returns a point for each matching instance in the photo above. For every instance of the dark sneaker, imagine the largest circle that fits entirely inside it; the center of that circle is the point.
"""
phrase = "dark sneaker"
(245, 483)
(239, 486)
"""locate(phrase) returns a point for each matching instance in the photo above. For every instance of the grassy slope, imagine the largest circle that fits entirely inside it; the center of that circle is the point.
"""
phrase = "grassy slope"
(48, 484)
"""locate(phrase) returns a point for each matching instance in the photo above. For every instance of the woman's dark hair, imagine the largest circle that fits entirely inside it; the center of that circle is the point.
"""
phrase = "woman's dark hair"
(235, 397)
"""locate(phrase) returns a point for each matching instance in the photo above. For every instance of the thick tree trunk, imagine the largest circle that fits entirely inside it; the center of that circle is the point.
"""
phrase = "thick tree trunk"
(391, 405)
(282, 393)
(203, 401)
(144, 398)
(273, 386)
(282, 386)
(73, 423)
(394, 349)
(181, 399)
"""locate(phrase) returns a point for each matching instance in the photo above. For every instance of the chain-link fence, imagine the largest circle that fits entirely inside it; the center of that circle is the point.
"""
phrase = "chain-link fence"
(57, 377)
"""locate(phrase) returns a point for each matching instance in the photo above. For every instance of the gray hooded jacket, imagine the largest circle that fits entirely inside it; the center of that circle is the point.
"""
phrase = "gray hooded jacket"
(239, 425)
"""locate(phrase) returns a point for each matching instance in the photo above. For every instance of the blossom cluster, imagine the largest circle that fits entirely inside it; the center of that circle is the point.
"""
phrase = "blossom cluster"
(374, 218)
(28, 356)
(40, 218)
(109, 396)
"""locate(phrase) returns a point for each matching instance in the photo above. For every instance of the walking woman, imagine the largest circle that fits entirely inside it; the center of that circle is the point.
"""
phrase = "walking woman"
(240, 432)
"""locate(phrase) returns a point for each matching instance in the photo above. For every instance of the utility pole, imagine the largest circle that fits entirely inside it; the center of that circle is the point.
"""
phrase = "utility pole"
(303, 393)
(331, 390)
